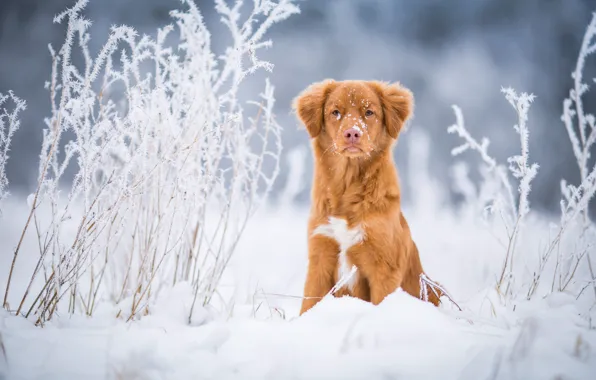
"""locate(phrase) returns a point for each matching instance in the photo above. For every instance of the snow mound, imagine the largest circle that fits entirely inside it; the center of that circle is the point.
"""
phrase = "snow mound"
(340, 338)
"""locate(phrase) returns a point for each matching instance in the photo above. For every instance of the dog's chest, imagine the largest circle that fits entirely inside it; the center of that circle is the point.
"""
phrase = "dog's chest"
(337, 229)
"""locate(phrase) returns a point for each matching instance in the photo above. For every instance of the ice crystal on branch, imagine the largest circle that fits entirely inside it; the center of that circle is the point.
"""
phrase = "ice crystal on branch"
(9, 123)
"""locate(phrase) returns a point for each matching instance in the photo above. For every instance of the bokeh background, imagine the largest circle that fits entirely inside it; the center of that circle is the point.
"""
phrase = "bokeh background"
(448, 52)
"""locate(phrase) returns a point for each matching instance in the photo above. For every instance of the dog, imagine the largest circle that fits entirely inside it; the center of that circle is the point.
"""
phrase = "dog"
(356, 219)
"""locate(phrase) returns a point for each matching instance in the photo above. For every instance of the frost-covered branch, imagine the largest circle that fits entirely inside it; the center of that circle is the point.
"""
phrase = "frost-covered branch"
(576, 120)
(9, 124)
(576, 200)
(518, 165)
(426, 283)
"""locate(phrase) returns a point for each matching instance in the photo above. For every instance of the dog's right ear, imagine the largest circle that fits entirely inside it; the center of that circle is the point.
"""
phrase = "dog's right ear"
(310, 104)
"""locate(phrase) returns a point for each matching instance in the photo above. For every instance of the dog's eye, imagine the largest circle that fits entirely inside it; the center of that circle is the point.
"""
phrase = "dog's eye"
(336, 114)
(369, 113)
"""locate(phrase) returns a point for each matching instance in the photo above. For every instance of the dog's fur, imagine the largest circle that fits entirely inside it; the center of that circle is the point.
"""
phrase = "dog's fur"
(356, 217)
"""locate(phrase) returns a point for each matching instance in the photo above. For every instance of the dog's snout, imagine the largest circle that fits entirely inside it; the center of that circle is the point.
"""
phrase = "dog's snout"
(352, 135)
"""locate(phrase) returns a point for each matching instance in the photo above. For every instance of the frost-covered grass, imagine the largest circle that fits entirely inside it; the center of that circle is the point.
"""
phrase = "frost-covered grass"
(156, 135)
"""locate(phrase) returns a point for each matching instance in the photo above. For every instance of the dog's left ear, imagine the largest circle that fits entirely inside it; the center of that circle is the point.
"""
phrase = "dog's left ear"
(398, 105)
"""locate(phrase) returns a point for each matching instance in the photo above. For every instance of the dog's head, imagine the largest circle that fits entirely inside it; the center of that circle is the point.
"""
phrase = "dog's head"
(354, 118)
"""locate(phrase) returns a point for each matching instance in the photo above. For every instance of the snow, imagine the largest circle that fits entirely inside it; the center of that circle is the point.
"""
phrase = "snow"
(257, 334)
(357, 128)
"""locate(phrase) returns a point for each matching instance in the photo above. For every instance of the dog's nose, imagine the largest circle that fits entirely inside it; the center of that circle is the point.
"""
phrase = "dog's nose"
(352, 135)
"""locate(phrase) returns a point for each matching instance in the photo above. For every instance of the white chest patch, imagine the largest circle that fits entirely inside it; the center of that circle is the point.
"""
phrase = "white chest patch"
(346, 237)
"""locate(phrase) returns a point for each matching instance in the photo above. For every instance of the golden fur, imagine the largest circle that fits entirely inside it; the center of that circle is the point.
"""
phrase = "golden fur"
(353, 126)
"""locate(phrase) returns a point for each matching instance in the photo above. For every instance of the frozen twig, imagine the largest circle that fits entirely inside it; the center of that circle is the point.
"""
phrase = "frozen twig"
(426, 283)
(9, 124)
(581, 129)
(520, 169)
(573, 108)
(345, 278)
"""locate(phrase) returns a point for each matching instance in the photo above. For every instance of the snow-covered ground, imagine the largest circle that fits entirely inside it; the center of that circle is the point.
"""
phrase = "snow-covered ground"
(257, 334)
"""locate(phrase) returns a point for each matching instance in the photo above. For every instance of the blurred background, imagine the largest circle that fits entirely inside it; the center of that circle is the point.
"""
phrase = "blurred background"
(448, 52)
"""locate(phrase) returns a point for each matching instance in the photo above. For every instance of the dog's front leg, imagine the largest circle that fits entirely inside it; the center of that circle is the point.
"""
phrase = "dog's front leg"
(382, 284)
(322, 264)
(381, 266)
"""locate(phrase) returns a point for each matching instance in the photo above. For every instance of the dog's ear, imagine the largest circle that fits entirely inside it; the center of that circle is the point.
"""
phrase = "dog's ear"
(310, 104)
(398, 105)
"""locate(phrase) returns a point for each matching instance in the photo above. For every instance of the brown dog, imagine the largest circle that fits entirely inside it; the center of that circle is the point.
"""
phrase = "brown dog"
(356, 217)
